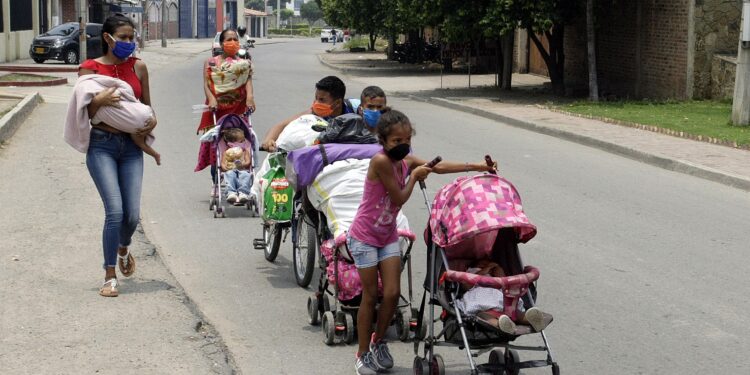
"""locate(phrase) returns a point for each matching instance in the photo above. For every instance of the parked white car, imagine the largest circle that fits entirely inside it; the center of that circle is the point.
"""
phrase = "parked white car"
(325, 34)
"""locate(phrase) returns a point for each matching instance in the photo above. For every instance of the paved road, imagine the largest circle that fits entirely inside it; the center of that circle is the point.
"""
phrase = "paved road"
(643, 268)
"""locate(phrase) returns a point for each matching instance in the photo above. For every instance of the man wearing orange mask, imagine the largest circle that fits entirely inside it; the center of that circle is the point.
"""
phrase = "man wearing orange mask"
(329, 102)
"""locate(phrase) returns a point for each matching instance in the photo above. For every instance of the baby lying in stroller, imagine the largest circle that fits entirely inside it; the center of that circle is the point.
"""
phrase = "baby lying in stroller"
(487, 303)
(236, 164)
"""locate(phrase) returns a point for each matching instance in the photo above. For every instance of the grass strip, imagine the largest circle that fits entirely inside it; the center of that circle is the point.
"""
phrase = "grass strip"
(697, 118)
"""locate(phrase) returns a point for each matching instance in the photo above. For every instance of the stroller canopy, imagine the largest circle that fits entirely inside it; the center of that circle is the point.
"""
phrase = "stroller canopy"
(474, 205)
(232, 120)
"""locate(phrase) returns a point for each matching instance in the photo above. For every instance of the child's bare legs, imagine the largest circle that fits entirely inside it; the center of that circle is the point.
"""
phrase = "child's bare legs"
(369, 278)
(390, 272)
(140, 141)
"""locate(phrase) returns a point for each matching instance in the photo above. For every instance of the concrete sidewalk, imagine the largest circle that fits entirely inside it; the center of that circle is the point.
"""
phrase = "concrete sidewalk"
(717, 163)
(52, 320)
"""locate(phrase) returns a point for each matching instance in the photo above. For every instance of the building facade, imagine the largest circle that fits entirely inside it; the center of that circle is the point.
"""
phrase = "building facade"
(652, 49)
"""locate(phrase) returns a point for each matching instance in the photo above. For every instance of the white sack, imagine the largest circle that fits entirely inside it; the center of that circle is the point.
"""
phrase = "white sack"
(299, 133)
(259, 183)
(337, 192)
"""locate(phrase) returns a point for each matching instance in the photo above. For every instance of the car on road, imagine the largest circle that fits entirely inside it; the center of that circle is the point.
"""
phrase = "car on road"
(325, 34)
(216, 45)
(62, 43)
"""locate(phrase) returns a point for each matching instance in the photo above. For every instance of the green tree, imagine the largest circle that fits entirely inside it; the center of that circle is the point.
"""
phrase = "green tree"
(366, 16)
(286, 14)
(311, 12)
(256, 5)
(539, 17)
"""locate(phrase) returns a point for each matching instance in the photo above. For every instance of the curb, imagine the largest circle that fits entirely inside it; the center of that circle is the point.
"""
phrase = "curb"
(375, 70)
(675, 165)
(38, 69)
(52, 82)
(13, 119)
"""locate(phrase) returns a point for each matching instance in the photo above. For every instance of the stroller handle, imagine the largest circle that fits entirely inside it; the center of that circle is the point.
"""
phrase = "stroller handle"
(490, 163)
(431, 164)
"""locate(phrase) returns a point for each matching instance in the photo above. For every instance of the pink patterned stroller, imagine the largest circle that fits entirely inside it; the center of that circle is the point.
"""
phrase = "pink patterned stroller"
(340, 274)
(477, 218)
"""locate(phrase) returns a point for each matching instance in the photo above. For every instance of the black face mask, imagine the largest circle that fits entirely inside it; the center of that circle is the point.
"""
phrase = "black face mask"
(399, 152)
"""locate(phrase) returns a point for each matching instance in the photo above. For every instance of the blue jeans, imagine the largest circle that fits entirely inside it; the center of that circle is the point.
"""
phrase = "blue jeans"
(366, 256)
(116, 166)
(238, 181)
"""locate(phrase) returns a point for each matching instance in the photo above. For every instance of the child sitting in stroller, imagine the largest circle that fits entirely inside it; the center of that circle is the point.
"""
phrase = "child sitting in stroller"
(487, 303)
(236, 163)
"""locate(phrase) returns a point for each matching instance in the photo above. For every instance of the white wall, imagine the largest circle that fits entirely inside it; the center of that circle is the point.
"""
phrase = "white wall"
(18, 43)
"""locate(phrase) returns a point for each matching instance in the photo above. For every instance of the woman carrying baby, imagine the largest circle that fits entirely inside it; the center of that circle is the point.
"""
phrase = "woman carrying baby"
(113, 158)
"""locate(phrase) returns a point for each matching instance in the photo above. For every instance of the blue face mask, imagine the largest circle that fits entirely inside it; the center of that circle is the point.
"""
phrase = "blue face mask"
(371, 116)
(122, 49)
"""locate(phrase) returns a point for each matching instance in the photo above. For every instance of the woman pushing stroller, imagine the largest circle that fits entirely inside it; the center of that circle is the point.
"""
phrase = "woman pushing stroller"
(373, 237)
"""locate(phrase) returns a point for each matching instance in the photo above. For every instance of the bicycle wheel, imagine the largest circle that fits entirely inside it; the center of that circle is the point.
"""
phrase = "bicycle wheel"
(271, 240)
(304, 251)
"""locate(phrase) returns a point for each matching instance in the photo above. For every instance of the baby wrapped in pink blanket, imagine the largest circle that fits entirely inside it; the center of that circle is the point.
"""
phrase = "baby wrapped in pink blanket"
(128, 117)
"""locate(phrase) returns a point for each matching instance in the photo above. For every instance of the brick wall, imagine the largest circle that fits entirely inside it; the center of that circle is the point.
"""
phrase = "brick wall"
(642, 49)
(68, 11)
(576, 68)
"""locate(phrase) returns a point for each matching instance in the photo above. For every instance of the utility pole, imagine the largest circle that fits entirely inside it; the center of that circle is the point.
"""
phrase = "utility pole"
(278, 14)
(741, 101)
(82, 10)
(164, 23)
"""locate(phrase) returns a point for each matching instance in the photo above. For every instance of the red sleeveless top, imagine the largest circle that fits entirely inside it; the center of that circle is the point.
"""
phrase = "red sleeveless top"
(124, 71)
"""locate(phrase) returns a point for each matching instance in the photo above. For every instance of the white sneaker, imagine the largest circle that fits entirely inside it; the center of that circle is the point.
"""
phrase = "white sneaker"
(538, 319)
(232, 198)
(243, 198)
(506, 325)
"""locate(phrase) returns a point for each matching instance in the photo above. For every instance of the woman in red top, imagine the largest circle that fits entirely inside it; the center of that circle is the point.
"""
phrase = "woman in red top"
(114, 161)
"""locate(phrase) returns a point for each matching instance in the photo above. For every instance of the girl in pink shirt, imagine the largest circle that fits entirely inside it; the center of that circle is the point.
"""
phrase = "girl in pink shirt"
(373, 237)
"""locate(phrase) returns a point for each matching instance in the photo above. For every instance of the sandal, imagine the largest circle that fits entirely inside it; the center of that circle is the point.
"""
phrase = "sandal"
(126, 263)
(109, 289)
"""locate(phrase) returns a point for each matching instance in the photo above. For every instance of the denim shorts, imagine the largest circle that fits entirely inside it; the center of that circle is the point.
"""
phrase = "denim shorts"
(366, 256)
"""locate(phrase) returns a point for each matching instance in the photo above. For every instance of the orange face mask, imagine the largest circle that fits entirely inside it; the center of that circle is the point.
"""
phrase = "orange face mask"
(322, 109)
(231, 47)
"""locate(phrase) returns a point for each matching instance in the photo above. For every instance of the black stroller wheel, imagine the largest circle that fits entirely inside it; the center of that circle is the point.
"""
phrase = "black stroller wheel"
(403, 320)
(350, 328)
(313, 317)
(555, 369)
(326, 303)
(497, 361)
(329, 328)
(511, 362)
(438, 365)
(420, 366)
